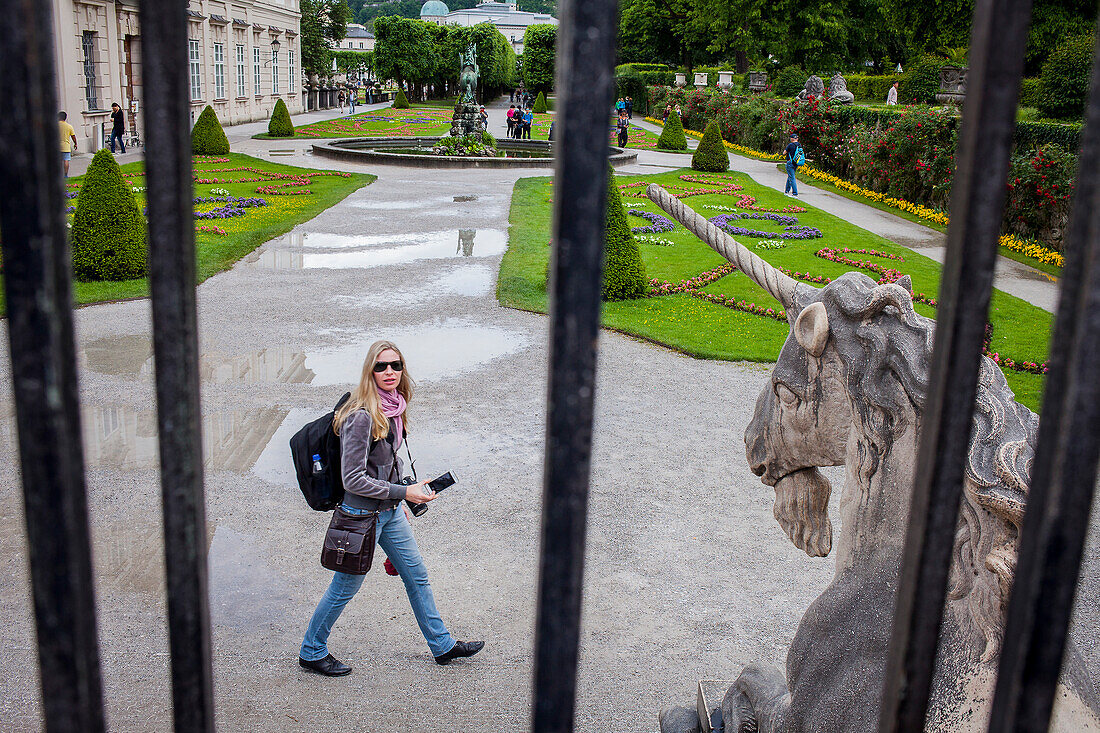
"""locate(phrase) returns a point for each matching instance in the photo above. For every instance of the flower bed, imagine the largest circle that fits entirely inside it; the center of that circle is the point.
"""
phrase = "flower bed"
(389, 122)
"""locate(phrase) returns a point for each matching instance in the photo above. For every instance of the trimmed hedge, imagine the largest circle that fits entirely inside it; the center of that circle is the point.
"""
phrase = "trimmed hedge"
(790, 81)
(629, 83)
(108, 234)
(539, 107)
(623, 270)
(1066, 79)
(1031, 91)
(1037, 134)
(400, 101)
(672, 136)
(207, 136)
(872, 88)
(280, 124)
(711, 154)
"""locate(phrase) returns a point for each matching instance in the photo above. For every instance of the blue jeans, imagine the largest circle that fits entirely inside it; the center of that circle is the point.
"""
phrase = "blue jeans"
(396, 539)
(792, 184)
(117, 136)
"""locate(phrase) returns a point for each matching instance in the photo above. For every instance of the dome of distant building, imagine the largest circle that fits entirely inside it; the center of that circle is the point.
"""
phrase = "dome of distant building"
(434, 9)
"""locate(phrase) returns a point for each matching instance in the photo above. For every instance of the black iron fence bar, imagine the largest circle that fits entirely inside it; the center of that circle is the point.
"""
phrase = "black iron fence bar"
(38, 292)
(175, 348)
(997, 43)
(586, 52)
(1063, 478)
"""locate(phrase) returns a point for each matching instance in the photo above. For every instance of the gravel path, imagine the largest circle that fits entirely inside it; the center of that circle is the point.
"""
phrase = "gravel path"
(688, 576)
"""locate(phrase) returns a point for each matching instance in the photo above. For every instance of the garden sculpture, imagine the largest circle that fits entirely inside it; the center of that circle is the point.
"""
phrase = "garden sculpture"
(814, 88)
(838, 90)
(849, 389)
(466, 120)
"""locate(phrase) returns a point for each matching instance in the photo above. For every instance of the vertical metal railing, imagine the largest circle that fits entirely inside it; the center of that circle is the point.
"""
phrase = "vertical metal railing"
(997, 42)
(175, 348)
(38, 293)
(585, 62)
(1063, 478)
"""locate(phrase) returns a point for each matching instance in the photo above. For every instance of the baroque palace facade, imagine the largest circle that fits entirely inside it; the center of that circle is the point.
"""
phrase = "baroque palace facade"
(243, 55)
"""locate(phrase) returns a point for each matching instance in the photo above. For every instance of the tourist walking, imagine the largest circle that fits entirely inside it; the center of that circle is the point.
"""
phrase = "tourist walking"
(629, 107)
(340, 99)
(623, 126)
(892, 95)
(511, 115)
(118, 126)
(353, 98)
(372, 424)
(620, 106)
(484, 116)
(793, 151)
(668, 111)
(68, 140)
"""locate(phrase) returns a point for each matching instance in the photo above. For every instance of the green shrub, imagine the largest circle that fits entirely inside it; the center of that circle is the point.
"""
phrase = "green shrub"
(280, 124)
(400, 101)
(623, 270)
(629, 83)
(1030, 92)
(789, 81)
(921, 82)
(207, 136)
(539, 107)
(672, 137)
(711, 153)
(871, 88)
(108, 234)
(1065, 79)
(488, 139)
(1036, 134)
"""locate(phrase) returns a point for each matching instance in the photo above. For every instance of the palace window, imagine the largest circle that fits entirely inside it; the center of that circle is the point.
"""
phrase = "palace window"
(196, 70)
(241, 72)
(219, 71)
(87, 42)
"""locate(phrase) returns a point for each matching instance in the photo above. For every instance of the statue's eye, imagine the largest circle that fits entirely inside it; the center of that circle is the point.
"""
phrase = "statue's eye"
(786, 396)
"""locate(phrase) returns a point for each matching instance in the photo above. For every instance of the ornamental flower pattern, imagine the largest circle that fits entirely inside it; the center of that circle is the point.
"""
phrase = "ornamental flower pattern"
(657, 224)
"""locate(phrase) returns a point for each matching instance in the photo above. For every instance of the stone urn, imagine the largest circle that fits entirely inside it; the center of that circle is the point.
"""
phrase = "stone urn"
(758, 81)
(681, 80)
(725, 80)
(700, 81)
(952, 85)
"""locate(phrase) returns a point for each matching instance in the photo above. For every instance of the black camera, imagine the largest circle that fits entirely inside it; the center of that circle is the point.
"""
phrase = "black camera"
(436, 485)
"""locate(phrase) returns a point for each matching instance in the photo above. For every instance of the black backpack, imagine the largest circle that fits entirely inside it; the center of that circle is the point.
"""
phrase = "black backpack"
(324, 489)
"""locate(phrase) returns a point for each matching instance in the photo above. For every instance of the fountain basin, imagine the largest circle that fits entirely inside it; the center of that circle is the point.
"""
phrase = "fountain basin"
(388, 151)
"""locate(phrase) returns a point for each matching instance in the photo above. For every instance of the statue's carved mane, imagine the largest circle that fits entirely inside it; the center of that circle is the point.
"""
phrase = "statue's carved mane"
(887, 349)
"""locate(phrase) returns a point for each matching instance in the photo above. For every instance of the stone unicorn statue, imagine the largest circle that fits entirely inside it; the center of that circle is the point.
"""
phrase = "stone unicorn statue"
(849, 389)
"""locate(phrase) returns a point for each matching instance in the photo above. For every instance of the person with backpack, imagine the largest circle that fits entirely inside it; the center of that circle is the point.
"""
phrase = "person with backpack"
(511, 119)
(623, 126)
(371, 425)
(795, 158)
(528, 119)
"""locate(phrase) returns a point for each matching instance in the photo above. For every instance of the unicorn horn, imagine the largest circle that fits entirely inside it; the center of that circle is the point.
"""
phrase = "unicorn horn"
(778, 285)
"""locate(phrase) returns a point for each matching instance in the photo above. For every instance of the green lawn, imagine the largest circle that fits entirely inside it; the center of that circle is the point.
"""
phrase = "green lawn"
(638, 137)
(217, 252)
(688, 323)
(419, 121)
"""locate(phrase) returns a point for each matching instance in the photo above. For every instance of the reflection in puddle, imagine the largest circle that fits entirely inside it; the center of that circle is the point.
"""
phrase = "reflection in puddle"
(432, 352)
(133, 356)
(471, 281)
(274, 464)
(377, 250)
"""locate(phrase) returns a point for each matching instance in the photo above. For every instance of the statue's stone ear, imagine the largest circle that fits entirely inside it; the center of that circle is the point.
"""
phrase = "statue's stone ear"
(906, 282)
(811, 328)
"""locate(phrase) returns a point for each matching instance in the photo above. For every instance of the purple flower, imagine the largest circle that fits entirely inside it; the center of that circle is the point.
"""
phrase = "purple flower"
(659, 223)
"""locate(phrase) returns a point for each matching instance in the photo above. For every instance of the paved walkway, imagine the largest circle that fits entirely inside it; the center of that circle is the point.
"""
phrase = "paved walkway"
(1012, 277)
(687, 574)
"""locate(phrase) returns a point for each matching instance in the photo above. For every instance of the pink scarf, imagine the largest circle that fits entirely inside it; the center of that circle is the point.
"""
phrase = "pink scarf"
(393, 405)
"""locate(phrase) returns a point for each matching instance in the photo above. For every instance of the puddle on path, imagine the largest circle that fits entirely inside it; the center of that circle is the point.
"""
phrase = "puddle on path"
(433, 351)
(365, 251)
(246, 593)
(133, 356)
(384, 206)
(471, 281)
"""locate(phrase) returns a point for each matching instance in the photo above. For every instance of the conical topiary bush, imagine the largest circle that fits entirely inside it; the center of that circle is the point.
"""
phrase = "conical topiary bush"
(672, 137)
(280, 124)
(207, 136)
(711, 153)
(108, 234)
(539, 106)
(623, 270)
(400, 101)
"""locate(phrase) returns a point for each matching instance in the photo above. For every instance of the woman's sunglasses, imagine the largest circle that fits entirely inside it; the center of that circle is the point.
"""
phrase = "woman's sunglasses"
(380, 366)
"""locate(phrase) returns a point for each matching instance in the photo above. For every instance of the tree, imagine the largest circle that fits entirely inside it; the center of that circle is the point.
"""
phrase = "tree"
(323, 22)
(207, 136)
(539, 44)
(623, 270)
(404, 49)
(280, 124)
(108, 233)
(672, 136)
(711, 154)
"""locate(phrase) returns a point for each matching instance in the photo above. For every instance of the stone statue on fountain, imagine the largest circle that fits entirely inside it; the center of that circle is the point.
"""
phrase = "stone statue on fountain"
(466, 119)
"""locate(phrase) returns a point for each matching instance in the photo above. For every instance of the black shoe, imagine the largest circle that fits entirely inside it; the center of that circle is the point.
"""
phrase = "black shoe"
(329, 666)
(460, 649)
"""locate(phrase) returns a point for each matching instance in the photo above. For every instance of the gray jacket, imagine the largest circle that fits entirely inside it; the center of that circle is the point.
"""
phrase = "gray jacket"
(368, 478)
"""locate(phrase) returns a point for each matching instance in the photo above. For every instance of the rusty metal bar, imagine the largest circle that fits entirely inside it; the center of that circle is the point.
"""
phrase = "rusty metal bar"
(998, 38)
(586, 53)
(1064, 475)
(38, 291)
(175, 348)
